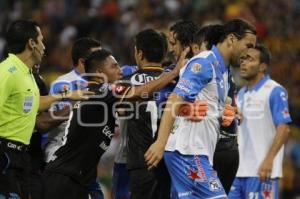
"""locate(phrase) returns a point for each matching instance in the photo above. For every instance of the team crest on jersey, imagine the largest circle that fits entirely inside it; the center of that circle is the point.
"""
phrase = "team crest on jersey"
(27, 105)
(196, 67)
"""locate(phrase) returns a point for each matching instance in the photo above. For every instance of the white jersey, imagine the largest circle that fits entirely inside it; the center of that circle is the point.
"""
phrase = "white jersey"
(205, 78)
(71, 81)
(263, 108)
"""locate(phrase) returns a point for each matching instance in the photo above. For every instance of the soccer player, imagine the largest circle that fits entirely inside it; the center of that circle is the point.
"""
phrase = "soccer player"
(90, 127)
(263, 131)
(19, 103)
(150, 49)
(190, 146)
(72, 81)
(226, 156)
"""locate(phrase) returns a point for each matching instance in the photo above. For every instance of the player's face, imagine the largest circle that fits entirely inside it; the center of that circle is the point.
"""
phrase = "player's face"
(39, 49)
(111, 69)
(240, 46)
(250, 64)
(174, 45)
(198, 48)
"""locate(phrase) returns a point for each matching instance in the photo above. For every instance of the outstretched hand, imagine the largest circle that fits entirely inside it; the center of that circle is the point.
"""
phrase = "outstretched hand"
(154, 154)
(182, 60)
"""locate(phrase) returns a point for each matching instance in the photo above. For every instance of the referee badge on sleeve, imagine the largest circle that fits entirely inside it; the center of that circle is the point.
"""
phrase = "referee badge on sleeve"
(27, 105)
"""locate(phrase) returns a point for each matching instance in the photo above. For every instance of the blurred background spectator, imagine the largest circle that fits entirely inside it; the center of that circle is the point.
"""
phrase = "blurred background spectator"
(115, 22)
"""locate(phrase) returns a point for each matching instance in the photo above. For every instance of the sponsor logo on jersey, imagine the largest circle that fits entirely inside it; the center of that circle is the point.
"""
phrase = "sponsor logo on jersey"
(141, 78)
(107, 132)
(183, 88)
(103, 146)
(184, 194)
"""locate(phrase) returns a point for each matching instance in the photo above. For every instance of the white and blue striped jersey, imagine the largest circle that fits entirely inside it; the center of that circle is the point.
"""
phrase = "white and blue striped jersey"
(205, 77)
(264, 107)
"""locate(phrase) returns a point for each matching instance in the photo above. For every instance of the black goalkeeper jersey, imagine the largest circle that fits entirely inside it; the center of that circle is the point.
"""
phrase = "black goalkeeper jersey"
(88, 134)
(142, 127)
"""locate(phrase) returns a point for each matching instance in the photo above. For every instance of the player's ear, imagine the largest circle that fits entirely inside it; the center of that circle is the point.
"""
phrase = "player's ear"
(31, 43)
(81, 62)
(195, 49)
(140, 54)
(263, 67)
(231, 38)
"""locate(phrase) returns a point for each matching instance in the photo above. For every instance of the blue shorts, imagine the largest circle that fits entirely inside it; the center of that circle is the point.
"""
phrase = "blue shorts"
(253, 188)
(192, 177)
(120, 186)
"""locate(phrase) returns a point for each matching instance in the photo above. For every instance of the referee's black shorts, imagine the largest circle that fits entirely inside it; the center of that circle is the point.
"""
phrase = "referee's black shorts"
(60, 186)
(14, 170)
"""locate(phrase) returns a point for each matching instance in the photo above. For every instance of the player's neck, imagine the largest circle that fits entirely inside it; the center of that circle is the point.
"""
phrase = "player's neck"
(223, 49)
(252, 82)
(79, 69)
(26, 58)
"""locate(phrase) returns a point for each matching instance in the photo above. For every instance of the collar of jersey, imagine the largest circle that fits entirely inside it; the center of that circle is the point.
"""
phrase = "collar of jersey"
(19, 63)
(158, 68)
(93, 83)
(219, 58)
(77, 72)
(259, 84)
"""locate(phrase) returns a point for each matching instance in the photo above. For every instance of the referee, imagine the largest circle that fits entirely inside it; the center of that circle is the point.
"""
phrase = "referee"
(19, 103)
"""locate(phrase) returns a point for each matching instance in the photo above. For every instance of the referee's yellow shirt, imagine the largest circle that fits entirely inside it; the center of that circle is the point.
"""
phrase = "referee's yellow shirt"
(19, 100)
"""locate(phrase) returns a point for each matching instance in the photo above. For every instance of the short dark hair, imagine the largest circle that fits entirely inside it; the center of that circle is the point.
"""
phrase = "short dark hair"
(82, 48)
(153, 45)
(18, 34)
(184, 30)
(238, 27)
(264, 54)
(210, 34)
(95, 59)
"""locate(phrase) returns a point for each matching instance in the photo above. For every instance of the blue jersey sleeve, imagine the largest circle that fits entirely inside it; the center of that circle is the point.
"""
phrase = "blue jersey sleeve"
(128, 70)
(279, 106)
(59, 86)
(197, 75)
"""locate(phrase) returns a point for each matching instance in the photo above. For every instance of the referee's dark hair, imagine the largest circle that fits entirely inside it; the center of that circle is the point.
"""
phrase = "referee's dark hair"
(237, 27)
(210, 34)
(184, 30)
(96, 59)
(18, 34)
(82, 48)
(264, 54)
(153, 45)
